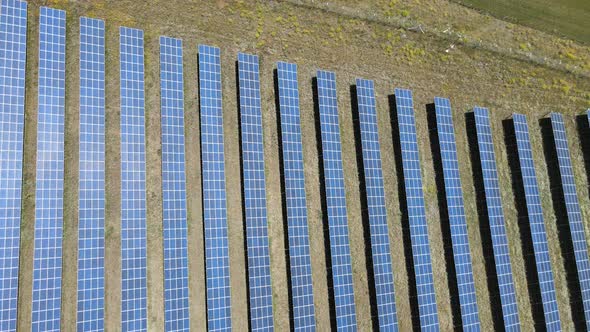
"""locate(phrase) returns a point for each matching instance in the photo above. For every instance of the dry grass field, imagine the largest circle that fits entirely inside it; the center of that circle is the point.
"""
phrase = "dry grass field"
(435, 48)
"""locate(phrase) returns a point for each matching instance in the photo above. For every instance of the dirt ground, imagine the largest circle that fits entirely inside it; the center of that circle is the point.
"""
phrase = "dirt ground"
(352, 46)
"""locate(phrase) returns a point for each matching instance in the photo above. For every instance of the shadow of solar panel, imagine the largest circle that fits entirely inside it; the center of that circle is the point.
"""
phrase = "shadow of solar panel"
(91, 197)
(456, 215)
(47, 264)
(416, 210)
(254, 185)
(303, 311)
(13, 43)
(536, 222)
(133, 192)
(174, 227)
(375, 193)
(495, 214)
(573, 212)
(214, 195)
(336, 202)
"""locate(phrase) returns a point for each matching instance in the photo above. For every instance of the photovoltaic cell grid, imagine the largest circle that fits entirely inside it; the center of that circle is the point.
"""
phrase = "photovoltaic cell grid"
(174, 223)
(496, 219)
(336, 202)
(375, 193)
(133, 195)
(574, 215)
(416, 210)
(13, 43)
(214, 195)
(456, 213)
(536, 222)
(259, 283)
(294, 179)
(47, 262)
(91, 197)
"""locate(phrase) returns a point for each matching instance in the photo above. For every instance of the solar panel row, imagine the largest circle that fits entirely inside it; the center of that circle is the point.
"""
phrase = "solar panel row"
(133, 194)
(495, 214)
(91, 197)
(13, 44)
(375, 193)
(174, 218)
(47, 261)
(537, 223)
(336, 202)
(295, 198)
(416, 210)
(214, 195)
(254, 186)
(456, 215)
(574, 214)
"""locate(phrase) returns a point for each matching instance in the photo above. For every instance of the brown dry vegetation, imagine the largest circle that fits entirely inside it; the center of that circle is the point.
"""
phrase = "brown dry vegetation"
(487, 66)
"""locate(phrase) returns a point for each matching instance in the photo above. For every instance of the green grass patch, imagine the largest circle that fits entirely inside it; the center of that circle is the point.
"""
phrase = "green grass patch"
(569, 18)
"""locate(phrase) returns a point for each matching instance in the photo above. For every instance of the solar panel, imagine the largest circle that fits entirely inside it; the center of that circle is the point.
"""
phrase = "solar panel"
(416, 210)
(572, 206)
(375, 193)
(13, 43)
(91, 197)
(456, 214)
(260, 294)
(133, 194)
(537, 224)
(47, 261)
(496, 219)
(294, 180)
(214, 196)
(174, 223)
(336, 202)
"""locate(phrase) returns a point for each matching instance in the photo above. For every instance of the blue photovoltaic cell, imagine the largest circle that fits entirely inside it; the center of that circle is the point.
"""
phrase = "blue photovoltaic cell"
(47, 262)
(259, 284)
(174, 221)
(416, 210)
(294, 179)
(375, 193)
(13, 43)
(336, 202)
(574, 215)
(214, 195)
(456, 213)
(91, 197)
(536, 222)
(496, 219)
(133, 195)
